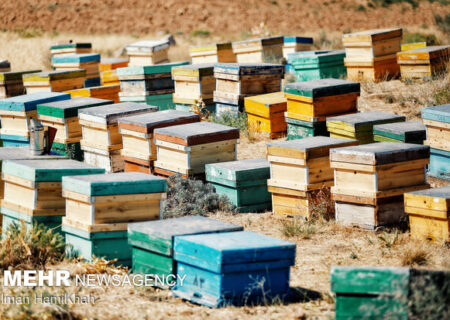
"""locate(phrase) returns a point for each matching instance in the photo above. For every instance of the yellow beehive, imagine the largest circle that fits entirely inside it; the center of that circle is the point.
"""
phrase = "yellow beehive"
(423, 62)
(259, 50)
(414, 45)
(212, 53)
(144, 53)
(110, 92)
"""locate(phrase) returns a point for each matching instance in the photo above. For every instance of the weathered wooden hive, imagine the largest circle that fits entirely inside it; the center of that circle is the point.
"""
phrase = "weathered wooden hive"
(110, 92)
(259, 50)
(70, 48)
(212, 53)
(54, 81)
(85, 61)
(11, 83)
(147, 52)
(408, 132)
(108, 73)
(423, 63)
(296, 44)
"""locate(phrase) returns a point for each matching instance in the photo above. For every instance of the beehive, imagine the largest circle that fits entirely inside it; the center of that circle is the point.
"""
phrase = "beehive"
(295, 44)
(5, 66)
(108, 73)
(11, 83)
(389, 292)
(101, 140)
(300, 175)
(413, 45)
(147, 52)
(370, 180)
(408, 132)
(54, 81)
(212, 53)
(371, 54)
(187, 148)
(152, 85)
(221, 268)
(70, 48)
(139, 149)
(152, 241)
(298, 129)
(16, 113)
(33, 190)
(265, 114)
(259, 50)
(243, 182)
(63, 116)
(86, 61)
(424, 62)
(99, 208)
(110, 92)
(437, 121)
(359, 125)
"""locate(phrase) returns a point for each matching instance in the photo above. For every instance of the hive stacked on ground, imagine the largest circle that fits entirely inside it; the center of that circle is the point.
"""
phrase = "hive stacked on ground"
(296, 44)
(437, 120)
(139, 149)
(70, 48)
(265, 114)
(370, 181)
(11, 83)
(235, 81)
(259, 50)
(108, 73)
(187, 148)
(429, 213)
(147, 52)
(194, 83)
(5, 66)
(423, 63)
(110, 92)
(243, 182)
(33, 190)
(63, 116)
(310, 103)
(16, 113)
(86, 61)
(359, 126)
(101, 140)
(371, 54)
(54, 81)
(148, 84)
(99, 208)
(301, 177)
(212, 53)
(413, 45)
(407, 132)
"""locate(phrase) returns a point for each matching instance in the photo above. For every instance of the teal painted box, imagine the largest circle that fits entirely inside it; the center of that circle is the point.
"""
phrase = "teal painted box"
(162, 101)
(406, 132)
(318, 64)
(244, 183)
(298, 129)
(439, 166)
(9, 140)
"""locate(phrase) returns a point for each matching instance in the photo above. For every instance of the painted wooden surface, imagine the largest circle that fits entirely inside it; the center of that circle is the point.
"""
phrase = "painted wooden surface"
(322, 88)
(112, 63)
(423, 55)
(84, 45)
(439, 164)
(295, 131)
(439, 113)
(274, 127)
(370, 36)
(54, 75)
(76, 58)
(162, 101)
(147, 46)
(70, 150)
(29, 102)
(242, 69)
(409, 132)
(363, 121)
(265, 105)
(149, 70)
(10, 217)
(109, 114)
(413, 45)
(69, 108)
(148, 122)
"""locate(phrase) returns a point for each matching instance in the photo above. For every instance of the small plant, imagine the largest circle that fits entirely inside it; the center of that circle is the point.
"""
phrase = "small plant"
(201, 33)
(389, 98)
(430, 39)
(442, 96)
(238, 121)
(442, 22)
(298, 228)
(388, 240)
(415, 256)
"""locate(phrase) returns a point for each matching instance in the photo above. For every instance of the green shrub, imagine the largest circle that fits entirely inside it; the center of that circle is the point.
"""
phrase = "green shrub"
(230, 119)
(201, 33)
(442, 22)
(430, 39)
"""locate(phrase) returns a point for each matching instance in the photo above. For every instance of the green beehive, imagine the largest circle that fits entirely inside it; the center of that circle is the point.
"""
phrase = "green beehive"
(313, 65)
(407, 132)
(298, 129)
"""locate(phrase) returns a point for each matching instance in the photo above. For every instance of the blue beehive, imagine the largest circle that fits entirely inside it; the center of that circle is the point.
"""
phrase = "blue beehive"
(232, 268)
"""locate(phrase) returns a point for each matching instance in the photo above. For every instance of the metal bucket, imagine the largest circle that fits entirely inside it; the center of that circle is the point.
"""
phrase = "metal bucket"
(38, 137)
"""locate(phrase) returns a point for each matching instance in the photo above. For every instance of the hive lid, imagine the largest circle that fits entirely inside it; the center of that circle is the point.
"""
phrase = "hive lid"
(146, 70)
(306, 40)
(158, 236)
(364, 120)
(441, 192)
(28, 102)
(249, 68)
(405, 131)
(23, 153)
(322, 88)
(108, 114)
(372, 35)
(76, 58)
(267, 99)
(303, 59)
(71, 45)
(211, 47)
(425, 53)
(258, 41)
(54, 75)
(116, 60)
(15, 75)
(437, 113)
(148, 46)
(194, 70)
(69, 108)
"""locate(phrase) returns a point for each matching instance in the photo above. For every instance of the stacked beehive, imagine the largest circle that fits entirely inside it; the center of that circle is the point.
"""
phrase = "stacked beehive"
(63, 116)
(371, 54)
(5, 66)
(139, 149)
(235, 81)
(259, 50)
(86, 61)
(370, 181)
(107, 67)
(407, 132)
(359, 126)
(101, 140)
(147, 52)
(152, 241)
(296, 44)
(148, 84)
(99, 208)
(243, 182)
(313, 65)
(187, 148)
(212, 53)
(54, 81)
(16, 113)
(424, 62)
(301, 177)
(265, 114)
(429, 213)
(11, 83)
(414, 45)
(70, 48)
(310, 103)
(437, 120)
(33, 190)
(110, 92)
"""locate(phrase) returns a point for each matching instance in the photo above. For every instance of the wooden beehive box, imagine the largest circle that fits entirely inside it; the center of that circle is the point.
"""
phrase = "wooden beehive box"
(16, 113)
(389, 292)
(413, 45)
(424, 62)
(139, 149)
(243, 182)
(227, 264)
(295, 44)
(299, 129)
(259, 50)
(194, 83)
(54, 81)
(70, 48)
(5, 66)
(212, 53)
(108, 73)
(33, 190)
(11, 83)
(109, 92)
(300, 172)
(313, 65)
(101, 140)
(86, 61)
(408, 132)
(99, 208)
(359, 125)
(265, 113)
(152, 241)
(370, 180)
(147, 52)
(187, 148)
